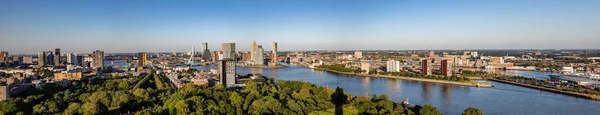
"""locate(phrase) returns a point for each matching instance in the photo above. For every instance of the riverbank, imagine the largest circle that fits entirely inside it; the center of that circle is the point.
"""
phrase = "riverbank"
(471, 84)
(589, 96)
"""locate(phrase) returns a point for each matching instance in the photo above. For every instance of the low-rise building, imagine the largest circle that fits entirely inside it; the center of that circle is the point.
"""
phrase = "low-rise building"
(68, 76)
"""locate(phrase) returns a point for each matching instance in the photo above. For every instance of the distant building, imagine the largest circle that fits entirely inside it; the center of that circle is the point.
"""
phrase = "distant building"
(98, 61)
(446, 68)
(40, 59)
(57, 56)
(68, 76)
(259, 59)
(274, 53)
(253, 50)
(142, 59)
(3, 57)
(48, 58)
(358, 55)
(365, 66)
(27, 60)
(204, 47)
(215, 57)
(496, 60)
(432, 54)
(246, 56)
(72, 59)
(393, 66)
(227, 72)
(229, 50)
(425, 67)
(4, 92)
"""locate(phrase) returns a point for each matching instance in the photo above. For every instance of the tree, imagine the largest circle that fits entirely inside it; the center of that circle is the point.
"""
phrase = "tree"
(472, 111)
(93, 109)
(339, 98)
(429, 110)
(74, 108)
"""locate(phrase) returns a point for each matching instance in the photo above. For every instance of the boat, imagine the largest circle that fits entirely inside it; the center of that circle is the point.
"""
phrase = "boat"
(555, 76)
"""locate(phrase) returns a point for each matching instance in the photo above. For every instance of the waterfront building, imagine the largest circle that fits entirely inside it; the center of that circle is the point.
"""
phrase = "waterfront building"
(246, 56)
(206, 55)
(365, 66)
(358, 54)
(4, 92)
(98, 59)
(446, 68)
(274, 53)
(57, 56)
(259, 59)
(142, 59)
(253, 50)
(229, 50)
(227, 72)
(393, 66)
(496, 60)
(425, 69)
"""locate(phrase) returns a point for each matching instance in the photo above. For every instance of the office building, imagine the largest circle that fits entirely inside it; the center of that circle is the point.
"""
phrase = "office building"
(274, 53)
(446, 68)
(253, 50)
(142, 59)
(48, 58)
(3, 57)
(496, 60)
(227, 72)
(72, 58)
(258, 58)
(229, 50)
(40, 59)
(393, 66)
(215, 56)
(358, 54)
(4, 92)
(57, 56)
(79, 60)
(425, 69)
(98, 59)
(204, 47)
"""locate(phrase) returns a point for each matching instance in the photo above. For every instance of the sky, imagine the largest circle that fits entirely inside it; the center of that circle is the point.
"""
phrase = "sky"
(115, 26)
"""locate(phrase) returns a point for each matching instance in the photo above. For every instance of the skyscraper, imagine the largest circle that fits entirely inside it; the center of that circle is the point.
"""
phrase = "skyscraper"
(40, 59)
(258, 58)
(204, 47)
(446, 71)
(72, 58)
(393, 66)
(425, 67)
(274, 53)
(142, 59)
(98, 59)
(49, 58)
(229, 50)
(57, 56)
(227, 72)
(253, 49)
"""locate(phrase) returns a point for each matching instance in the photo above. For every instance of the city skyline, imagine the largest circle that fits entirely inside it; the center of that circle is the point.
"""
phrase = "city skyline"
(28, 27)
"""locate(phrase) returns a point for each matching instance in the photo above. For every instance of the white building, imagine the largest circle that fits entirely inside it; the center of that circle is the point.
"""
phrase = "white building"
(393, 66)
(358, 54)
(259, 59)
(229, 50)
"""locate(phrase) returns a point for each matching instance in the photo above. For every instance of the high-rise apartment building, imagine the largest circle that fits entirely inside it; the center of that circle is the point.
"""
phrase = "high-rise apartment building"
(393, 66)
(227, 72)
(425, 67)
(48, 58)
(204, 47)
(142, 56)
(229, 50)
(253, 50)
(274, 53)
(72, 58)
(446, 68)
(98, 59)
(57, 56)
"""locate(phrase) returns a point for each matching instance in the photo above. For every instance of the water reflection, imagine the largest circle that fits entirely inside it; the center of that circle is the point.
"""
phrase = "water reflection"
(446, 94)
(393, 87)
(365, 83)
(426, 94)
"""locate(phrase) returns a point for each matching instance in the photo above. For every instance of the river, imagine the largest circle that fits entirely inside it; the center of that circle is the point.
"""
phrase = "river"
(503, 99)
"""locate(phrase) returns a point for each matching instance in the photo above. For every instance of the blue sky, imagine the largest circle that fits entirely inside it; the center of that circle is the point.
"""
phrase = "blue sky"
(29, 26)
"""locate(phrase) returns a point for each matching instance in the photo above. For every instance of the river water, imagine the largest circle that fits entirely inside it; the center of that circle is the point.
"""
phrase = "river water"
(503, 99)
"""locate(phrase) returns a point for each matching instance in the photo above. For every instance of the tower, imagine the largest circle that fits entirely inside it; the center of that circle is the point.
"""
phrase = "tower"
(253, 49)
(229, 50)
(57, 56)
(98, 59)
(142, 59)
(274, 53)
(425, 67)
(227, 72)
